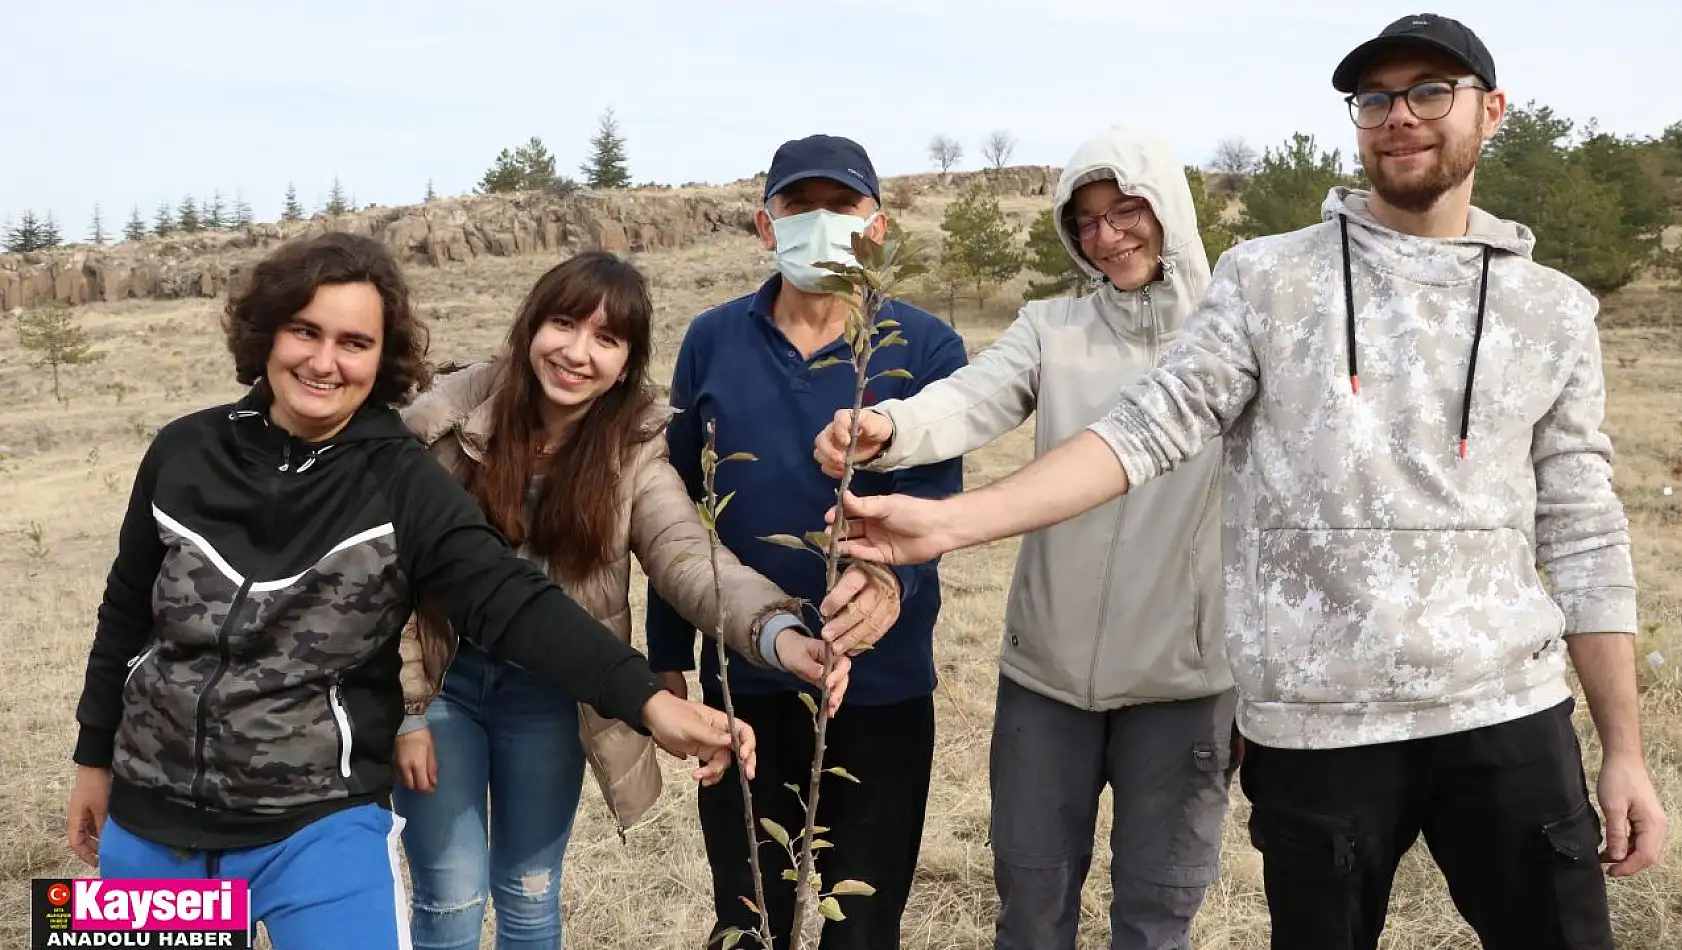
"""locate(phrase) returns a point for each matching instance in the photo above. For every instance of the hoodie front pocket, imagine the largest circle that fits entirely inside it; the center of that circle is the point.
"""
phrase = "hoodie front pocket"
(1357, 615)
(341, 719)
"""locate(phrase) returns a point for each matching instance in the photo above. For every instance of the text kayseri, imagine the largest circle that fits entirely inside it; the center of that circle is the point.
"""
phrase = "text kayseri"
(97, 902)
(143, 938)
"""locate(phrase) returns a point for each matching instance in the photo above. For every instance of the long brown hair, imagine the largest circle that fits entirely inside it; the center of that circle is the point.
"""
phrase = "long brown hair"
(578, 507)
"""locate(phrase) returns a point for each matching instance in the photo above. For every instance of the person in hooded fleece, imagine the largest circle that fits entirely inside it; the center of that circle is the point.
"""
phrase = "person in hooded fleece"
(1410, 410)
(1111, 667)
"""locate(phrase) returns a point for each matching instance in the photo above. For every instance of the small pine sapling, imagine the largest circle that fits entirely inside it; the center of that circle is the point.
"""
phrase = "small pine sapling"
(866, 287)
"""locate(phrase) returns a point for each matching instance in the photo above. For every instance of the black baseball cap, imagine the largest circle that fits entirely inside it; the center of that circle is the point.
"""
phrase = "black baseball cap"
(822, 156)
(1418, 31)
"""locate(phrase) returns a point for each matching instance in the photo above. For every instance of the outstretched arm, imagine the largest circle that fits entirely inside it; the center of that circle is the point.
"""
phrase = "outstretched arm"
(959, 413)
(1198, 389)
(505, 604)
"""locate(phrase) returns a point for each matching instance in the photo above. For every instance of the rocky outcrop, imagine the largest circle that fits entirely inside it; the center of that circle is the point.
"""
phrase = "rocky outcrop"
(440, 232)
(436, 233)
(1029, 181)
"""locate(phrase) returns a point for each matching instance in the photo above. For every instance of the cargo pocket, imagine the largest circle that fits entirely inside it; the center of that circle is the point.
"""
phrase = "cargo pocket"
(1305, 845)
(1576, 882)
(1191, 857)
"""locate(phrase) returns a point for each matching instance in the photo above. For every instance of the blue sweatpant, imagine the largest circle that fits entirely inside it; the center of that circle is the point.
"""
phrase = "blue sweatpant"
(333, 885)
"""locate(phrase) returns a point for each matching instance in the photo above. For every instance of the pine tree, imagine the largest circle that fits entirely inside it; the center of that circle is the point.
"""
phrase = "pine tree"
(97, 238)
(187, 218)
(215, 211)
(26, 235)
(53, 334)
(136, 228)
(163, 222)
(291, 210)
(980, 243)
(1046, 255)
(49, 234)
(430, 194)
(336, 204)
(606, 166)
(242, 211)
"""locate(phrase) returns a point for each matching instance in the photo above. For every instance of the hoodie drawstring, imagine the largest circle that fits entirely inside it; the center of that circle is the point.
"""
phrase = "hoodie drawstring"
(1477, 332)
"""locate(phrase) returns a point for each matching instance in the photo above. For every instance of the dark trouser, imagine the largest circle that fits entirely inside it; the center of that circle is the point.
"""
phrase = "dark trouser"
(1167, 768)
(1504, 810)
(875, 825)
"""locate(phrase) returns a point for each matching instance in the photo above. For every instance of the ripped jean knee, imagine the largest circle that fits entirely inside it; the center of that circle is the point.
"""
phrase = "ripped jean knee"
(528, 908)
(439, 922)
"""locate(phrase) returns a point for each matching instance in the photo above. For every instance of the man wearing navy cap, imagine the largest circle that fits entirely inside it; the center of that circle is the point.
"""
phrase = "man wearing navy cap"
(747, 365)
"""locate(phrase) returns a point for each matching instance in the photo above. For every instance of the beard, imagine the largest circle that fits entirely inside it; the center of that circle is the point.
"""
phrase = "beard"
(1415, 191)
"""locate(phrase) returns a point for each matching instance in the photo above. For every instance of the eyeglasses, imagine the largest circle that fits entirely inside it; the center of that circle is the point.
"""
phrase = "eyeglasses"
(1428, 101)
(1121, 219)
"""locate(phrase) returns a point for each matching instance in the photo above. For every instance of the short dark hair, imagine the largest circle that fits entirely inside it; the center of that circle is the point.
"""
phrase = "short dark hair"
(285, 282)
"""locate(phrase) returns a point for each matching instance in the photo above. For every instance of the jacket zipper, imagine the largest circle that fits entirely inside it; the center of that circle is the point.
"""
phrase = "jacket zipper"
(1151, 346)
(342, 718)
(223, 658)
(134, 664)
(202, 714)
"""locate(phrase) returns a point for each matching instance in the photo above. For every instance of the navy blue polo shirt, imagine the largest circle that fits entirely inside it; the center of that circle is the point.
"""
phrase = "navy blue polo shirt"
(738, 370)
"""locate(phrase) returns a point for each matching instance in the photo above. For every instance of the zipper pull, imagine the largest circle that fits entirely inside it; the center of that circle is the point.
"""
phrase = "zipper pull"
(286, 456)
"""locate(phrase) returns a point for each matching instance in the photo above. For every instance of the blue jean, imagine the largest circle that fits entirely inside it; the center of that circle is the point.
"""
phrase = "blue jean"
(496, 729)
(332, 885)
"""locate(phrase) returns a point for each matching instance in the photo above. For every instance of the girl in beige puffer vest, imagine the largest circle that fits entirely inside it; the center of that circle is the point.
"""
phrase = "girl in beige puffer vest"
(561, 442)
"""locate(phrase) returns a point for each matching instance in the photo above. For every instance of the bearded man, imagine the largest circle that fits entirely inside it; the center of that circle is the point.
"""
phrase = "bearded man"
(1411, 409)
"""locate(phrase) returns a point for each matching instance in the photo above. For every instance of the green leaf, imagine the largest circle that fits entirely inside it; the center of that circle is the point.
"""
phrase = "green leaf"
(740, 457)
(836, 284)
(725, 501)
(751, 905)
(818, 844)
(790, 785)
(908, 271)
(790, 874)
(818, 539)
(898, 373)
(892, 339)
(812, 706)
(831, 909)
(836, 267)
(848, 887)
(838, 770)
(705, 515)
(775, 831)
(827, 362)
(886, 324)
(785, 540)
(731, 937)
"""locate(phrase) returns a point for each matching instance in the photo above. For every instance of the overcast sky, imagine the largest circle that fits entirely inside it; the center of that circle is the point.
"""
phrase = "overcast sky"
(134, 102)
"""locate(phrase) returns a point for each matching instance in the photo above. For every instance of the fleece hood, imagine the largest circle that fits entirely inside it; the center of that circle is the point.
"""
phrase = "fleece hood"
(1421, 261)
(1145, 166)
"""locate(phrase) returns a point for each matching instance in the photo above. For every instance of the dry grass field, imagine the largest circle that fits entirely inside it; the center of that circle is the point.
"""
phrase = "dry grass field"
(65, 473)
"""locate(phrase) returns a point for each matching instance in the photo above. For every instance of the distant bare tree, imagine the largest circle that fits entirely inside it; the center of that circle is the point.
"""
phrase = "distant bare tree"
(1235, 160)
(945, 151)
(998, 147)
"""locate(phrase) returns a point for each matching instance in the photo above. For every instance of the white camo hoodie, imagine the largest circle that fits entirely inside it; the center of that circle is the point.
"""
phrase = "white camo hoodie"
(1120, 605)
(1412, 427)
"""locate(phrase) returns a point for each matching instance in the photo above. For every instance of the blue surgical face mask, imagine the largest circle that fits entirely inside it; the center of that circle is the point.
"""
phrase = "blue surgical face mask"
(821, 235)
